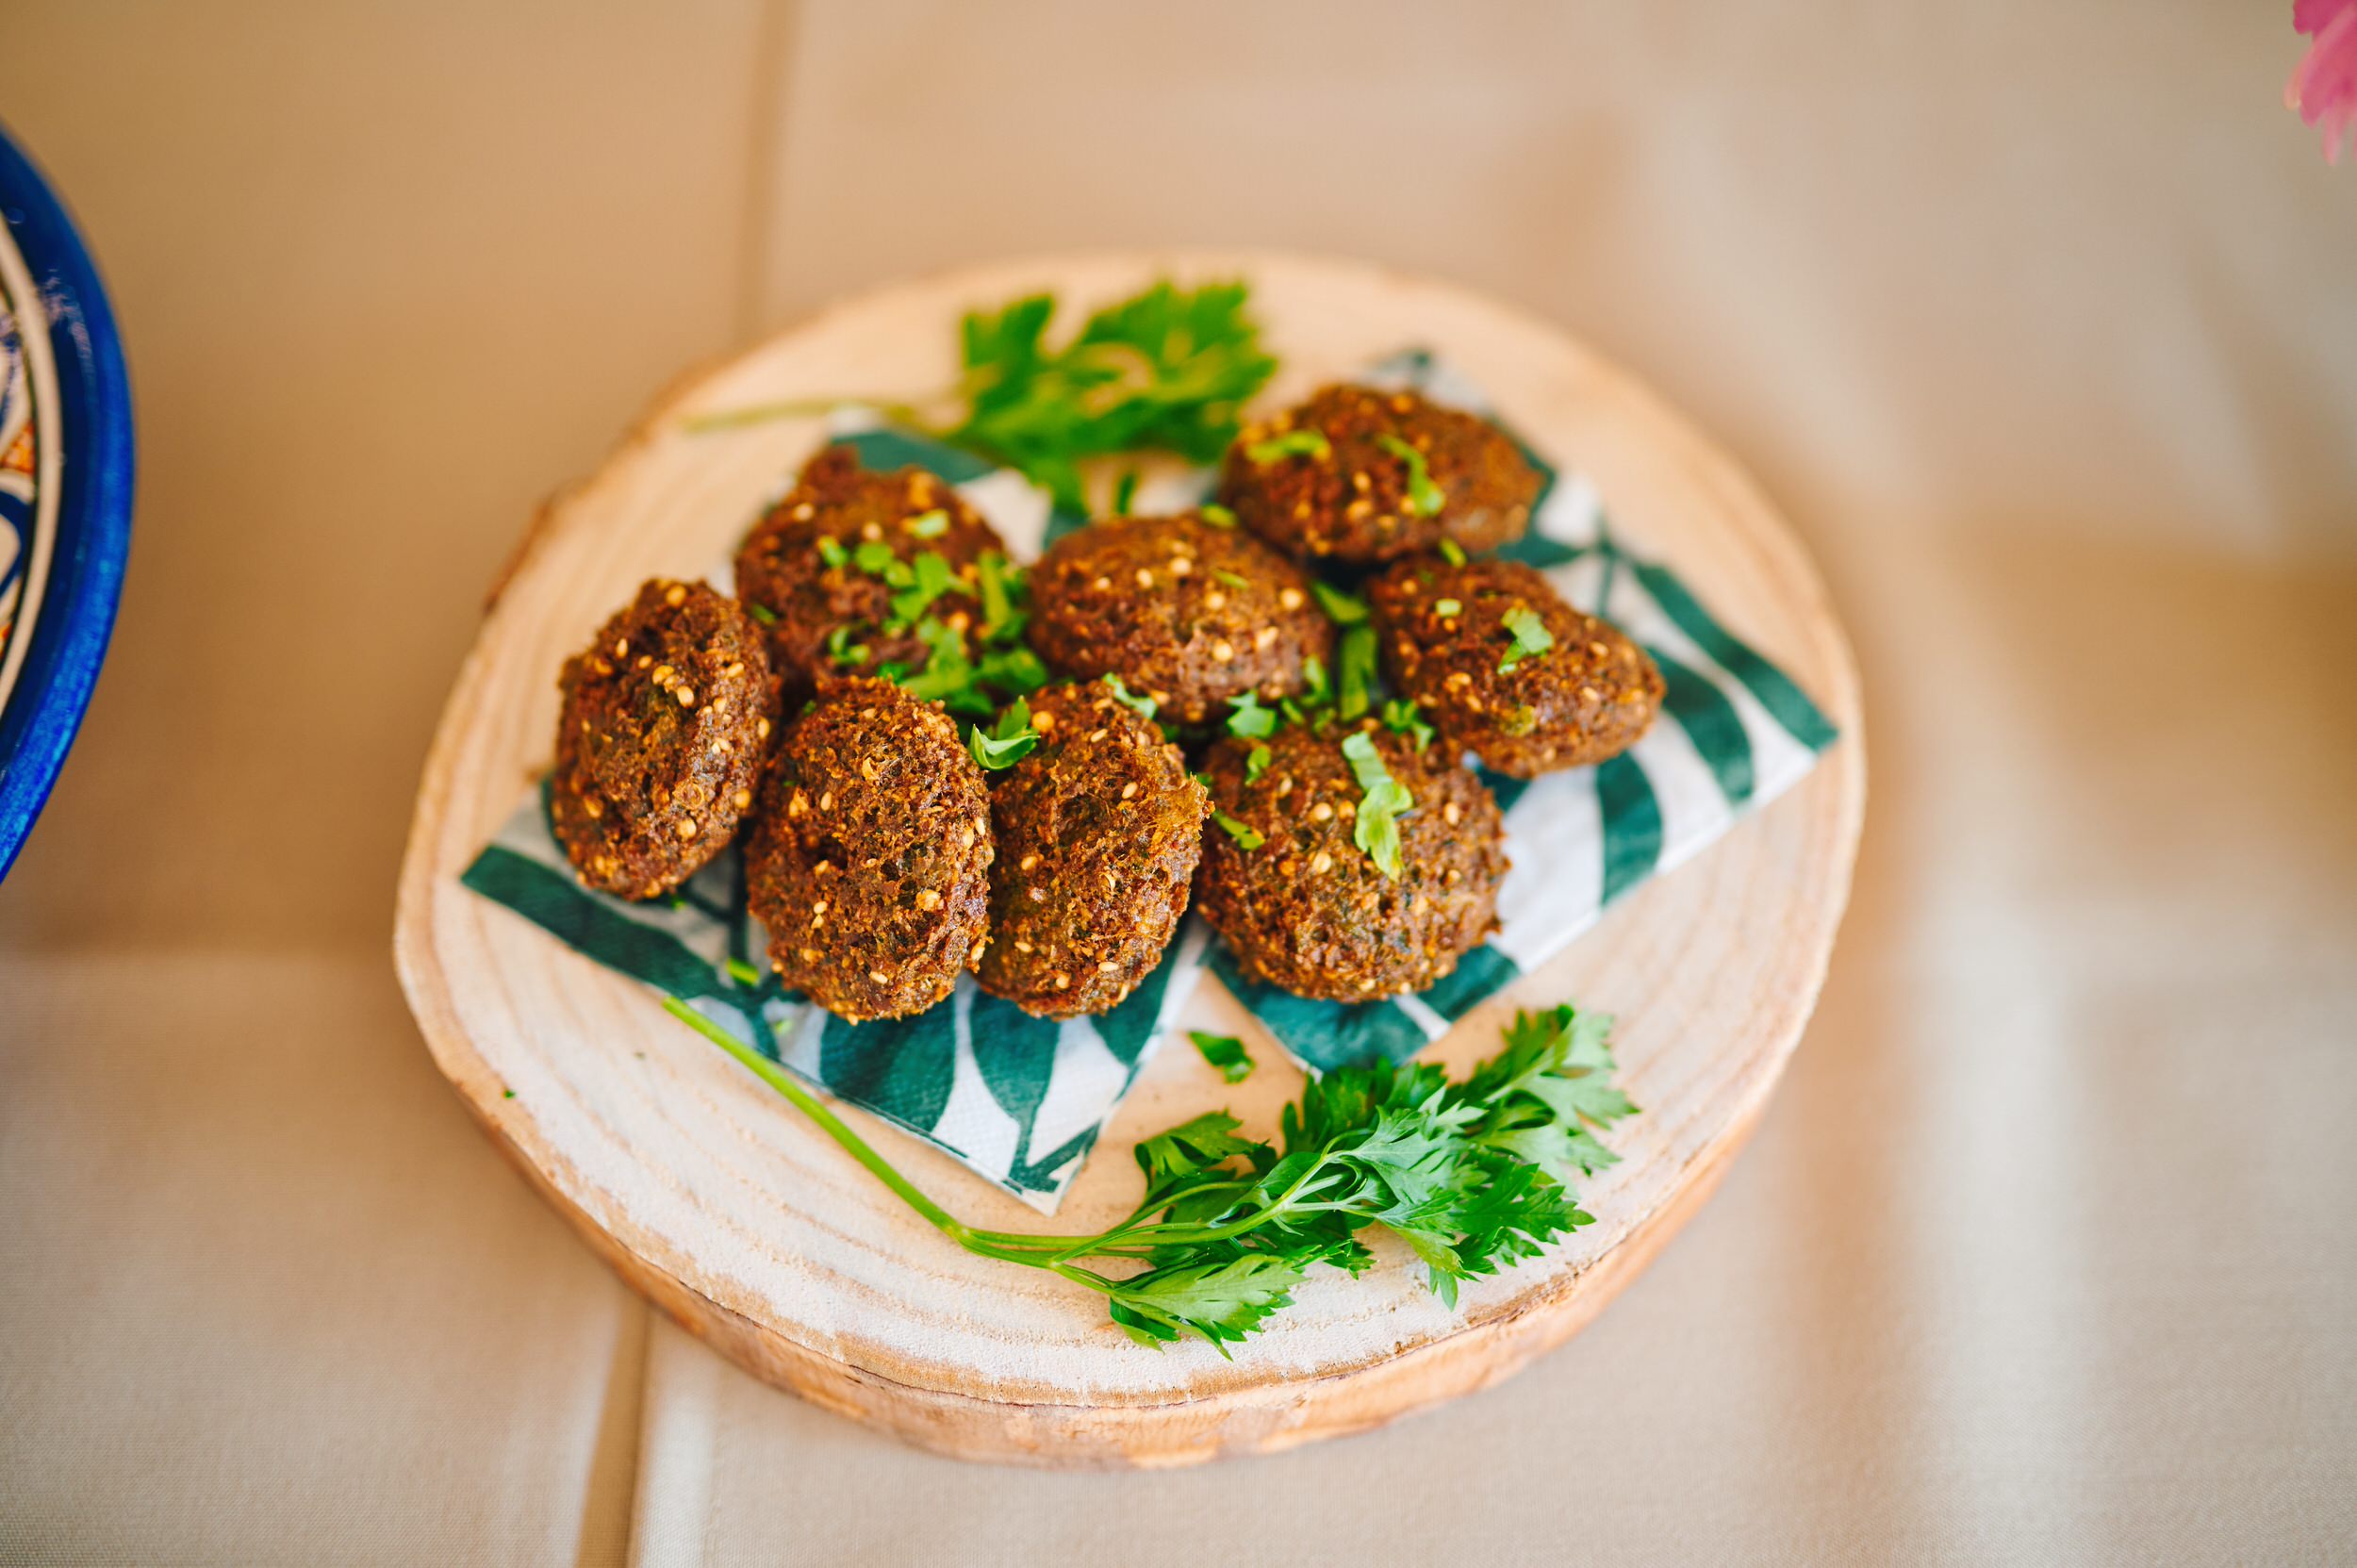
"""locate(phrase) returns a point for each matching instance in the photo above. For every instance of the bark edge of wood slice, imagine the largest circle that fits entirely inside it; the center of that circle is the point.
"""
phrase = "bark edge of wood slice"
(710, 1195)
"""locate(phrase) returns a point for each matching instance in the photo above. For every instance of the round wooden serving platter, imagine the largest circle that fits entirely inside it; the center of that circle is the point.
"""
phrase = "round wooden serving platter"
(708, 1192)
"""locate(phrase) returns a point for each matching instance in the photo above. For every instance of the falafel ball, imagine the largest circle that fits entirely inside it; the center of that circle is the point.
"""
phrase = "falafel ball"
(798, 566)
(870, 865)
(1308, 909)
(1360, 474)
(1185, 612)
(665, 718)
(1099, 830)
(1460, 641)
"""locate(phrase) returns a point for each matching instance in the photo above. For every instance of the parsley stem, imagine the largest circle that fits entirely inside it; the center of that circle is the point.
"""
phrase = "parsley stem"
(829, 1123)
(761, 413)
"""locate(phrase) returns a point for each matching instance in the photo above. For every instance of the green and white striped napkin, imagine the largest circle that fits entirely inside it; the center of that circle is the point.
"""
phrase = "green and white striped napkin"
(1022, 1100)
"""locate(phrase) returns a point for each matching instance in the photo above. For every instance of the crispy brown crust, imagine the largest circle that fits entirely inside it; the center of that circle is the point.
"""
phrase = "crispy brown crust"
(1184, 611)
(779, 566)
(870, 865)
(1353, 503)
(1308, 910)
(1587, 698)
(659, 746)
(1099, 830)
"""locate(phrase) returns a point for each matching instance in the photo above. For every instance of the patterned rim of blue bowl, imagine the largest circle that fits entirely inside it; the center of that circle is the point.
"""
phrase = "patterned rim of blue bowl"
(77, 592)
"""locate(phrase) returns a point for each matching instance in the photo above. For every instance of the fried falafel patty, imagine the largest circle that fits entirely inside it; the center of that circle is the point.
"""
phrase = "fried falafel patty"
(870, 865)
(1308, 910)
(1359, 474)
(1459, 641)
(665, 718)
(1099, 830)
(1184, 611)
(800, 566)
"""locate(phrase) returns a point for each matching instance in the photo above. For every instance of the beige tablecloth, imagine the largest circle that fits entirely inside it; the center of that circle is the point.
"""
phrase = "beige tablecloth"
(2037, 317)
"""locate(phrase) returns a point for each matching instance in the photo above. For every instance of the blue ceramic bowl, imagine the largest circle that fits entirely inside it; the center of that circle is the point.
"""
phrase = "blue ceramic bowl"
(65, 487)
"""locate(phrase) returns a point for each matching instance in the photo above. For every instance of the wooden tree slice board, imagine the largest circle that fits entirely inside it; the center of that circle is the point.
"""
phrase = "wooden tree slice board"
(709, 1193)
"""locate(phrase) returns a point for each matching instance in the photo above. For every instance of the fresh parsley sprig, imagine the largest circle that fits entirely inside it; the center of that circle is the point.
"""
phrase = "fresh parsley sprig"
(1471, 1176)
(1167, 370)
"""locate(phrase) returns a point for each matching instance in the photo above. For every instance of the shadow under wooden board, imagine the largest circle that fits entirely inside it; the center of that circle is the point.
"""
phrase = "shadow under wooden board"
(710, 1194)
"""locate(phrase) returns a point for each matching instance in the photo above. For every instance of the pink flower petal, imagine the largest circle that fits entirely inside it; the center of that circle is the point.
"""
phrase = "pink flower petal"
(2325, 82)
(2313, 16)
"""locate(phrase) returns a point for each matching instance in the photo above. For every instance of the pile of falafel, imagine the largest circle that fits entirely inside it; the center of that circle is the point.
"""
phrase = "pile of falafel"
(1342, 848)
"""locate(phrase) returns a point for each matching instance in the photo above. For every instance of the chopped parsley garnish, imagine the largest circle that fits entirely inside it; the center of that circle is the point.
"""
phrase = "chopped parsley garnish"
(1446, 607)
(1473, 1176)
(1425, 498)
(1233, 579)
(1343, 609)
(929, 525)
(761, 613)
(1401, 717)
(1216, 514)
(1245, 833)
(876, 558)
(1005, 743)
(1256, 763)
(1293, 443)
(1315, 687)
(1226, 1052)
(841, 650)
(1354, 669)
(1377, 830)
(1000, 619)
(1143, 706)
(832, 552)
(1250, 719)
(947, 674)
(930, 577)
(1016, 670)
(1453, 552)
(1125, 492)
(1531, 636)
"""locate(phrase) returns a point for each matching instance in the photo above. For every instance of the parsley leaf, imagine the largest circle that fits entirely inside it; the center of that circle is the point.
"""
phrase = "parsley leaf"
(1143, 706)
(1453, 552)
(947, 673)
(929, 525)
(842, 650)
(1354, 668)
(1166, 369)
(832, 552)
(1531, 636)
(1247, 838)
(1005, 743)
(1125, 492)
(1256, 763)
(931, 576)
(1216, 514)
(1425, 498)
(875, 557)
(1226, 1052)
(1001, 620)
(1402, 718)
(1343, 609)
(1293, 443)
(1315, 688)
(1250, 721)
(1377, 830)
(761, 613)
